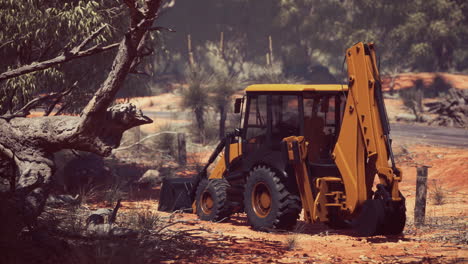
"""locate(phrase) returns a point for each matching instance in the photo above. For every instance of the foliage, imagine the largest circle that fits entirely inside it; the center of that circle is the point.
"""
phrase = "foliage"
(410, 35)
(35, 30)
(195, 97)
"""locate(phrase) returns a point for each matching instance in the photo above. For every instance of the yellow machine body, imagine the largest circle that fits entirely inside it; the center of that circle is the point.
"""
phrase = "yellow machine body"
(361, 152)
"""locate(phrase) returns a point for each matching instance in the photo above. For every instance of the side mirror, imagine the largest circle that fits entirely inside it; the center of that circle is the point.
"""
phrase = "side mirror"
(237, 105)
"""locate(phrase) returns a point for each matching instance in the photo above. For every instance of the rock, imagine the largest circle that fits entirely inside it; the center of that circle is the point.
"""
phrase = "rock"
(122, 232)
(149, 179)
(62, 200)
(100, 230)
(102, 211)
(97, 217)
(109, 230)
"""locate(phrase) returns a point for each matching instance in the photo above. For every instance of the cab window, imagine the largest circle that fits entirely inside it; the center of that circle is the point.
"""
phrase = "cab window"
(285, 116)
(257, 120)
(322, 120)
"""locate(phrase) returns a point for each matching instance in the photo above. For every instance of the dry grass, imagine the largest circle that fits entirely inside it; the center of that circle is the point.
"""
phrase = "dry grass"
(145, 220)
(87, 193)
(291, 242)
(437, 192)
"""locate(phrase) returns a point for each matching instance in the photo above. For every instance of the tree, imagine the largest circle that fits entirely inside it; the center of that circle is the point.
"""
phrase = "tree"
(37, 30)
(224, 87)
(27, 144)
(411, 35)
(195, 97)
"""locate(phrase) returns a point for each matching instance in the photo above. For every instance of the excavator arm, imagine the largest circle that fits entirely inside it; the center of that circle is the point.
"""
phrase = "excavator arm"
(363, 148)
(362, 152)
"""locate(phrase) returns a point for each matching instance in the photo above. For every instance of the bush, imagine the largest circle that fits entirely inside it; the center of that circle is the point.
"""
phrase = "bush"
(195, 97)
(438, 193)
(144, 220)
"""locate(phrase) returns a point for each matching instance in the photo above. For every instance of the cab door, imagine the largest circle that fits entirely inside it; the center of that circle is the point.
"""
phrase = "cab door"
(256, 128)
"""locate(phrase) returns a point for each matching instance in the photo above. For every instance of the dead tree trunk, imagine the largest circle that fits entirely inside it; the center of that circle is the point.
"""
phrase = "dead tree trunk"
(421, 192)
(27, 144)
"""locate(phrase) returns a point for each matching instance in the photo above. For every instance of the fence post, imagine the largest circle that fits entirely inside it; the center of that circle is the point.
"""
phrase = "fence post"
(181, 148)
(421, 194)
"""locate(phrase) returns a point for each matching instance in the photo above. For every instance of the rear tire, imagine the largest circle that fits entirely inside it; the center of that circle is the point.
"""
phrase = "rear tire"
(268, 202)
(212, 201)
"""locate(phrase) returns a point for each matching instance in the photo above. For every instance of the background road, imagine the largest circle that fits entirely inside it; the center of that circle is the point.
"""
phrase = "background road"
(441, 136)
(445, 136)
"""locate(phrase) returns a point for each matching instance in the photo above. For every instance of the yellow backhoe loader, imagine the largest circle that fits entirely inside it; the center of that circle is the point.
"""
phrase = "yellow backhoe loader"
(316, 148)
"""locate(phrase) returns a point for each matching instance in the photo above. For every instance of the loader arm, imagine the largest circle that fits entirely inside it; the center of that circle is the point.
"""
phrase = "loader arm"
(363, 148)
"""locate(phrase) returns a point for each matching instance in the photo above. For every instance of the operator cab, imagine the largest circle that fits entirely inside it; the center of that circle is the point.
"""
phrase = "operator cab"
(274, 112)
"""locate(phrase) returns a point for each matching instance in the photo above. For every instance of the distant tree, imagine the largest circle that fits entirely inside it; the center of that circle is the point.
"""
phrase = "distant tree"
(224, 87)
(195, 97)
(411, 35)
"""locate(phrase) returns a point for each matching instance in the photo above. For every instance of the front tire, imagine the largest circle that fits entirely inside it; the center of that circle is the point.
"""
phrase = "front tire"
(212, 201)
(268, 202)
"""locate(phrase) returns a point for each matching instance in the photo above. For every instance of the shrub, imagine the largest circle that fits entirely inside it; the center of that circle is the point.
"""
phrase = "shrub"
(438, 193)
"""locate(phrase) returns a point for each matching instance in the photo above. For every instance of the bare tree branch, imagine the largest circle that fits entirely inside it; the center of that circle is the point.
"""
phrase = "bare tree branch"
(88, 39)
(61, 109)
(24, 111)
(128, 51)
(60, 96)
(6, 43)
(74, 53)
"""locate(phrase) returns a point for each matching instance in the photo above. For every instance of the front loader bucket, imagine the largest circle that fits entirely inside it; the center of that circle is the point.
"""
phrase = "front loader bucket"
(176, 195)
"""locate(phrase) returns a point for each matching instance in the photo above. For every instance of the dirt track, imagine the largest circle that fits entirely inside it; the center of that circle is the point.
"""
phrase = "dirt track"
(441, 136)
(443, 240)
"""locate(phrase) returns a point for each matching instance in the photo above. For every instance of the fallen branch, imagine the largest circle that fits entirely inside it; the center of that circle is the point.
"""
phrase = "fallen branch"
(59, 98)
(25, 110)
(29, 143)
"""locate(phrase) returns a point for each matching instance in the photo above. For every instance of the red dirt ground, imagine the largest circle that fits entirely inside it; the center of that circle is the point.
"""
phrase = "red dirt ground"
(406, 80)
(235, 242)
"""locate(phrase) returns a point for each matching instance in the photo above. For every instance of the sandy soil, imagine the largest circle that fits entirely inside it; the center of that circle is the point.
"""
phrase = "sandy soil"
(442, 240)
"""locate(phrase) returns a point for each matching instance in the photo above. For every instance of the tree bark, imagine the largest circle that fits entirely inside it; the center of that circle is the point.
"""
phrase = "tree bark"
(421, 193)
(27, 144)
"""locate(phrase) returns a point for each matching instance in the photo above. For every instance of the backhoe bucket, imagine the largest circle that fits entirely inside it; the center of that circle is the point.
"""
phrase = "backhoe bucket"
(175, 195)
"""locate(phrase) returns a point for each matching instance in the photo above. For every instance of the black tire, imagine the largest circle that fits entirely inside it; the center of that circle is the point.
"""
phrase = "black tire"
(268, 202)
(212, 201)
